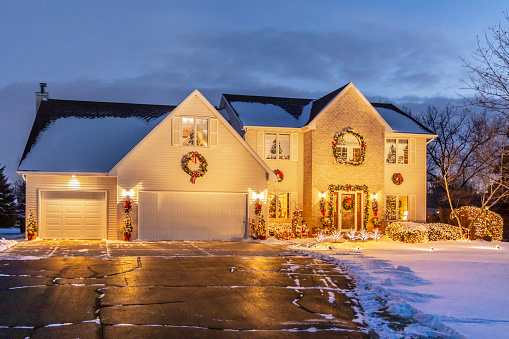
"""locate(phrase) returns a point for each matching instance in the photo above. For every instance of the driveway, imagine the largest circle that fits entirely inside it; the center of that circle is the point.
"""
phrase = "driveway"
(99, 289)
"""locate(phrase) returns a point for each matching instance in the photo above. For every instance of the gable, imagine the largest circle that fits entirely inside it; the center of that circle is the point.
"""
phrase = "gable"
(155, 163)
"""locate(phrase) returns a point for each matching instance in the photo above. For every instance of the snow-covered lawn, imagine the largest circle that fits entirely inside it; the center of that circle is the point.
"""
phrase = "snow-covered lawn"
(458, 288)
(5, 244)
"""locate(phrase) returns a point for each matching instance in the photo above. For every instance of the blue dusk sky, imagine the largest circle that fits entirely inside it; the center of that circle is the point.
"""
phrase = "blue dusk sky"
(158, 52)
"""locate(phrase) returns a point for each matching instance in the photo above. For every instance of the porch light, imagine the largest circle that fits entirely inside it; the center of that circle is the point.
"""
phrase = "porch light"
(322, 195)
(375, 196)
(127, 193)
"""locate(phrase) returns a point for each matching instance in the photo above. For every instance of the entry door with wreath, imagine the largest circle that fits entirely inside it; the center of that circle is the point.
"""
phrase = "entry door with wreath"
(349, 206)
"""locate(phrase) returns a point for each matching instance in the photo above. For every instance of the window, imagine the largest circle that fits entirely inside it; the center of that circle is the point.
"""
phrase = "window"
(396, 207)
(279, 205)
(194, 132)
(396, 151)
(277, 146)
(349, 148)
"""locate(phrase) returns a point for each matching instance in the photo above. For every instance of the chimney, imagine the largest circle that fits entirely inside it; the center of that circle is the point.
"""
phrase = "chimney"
(40, 96)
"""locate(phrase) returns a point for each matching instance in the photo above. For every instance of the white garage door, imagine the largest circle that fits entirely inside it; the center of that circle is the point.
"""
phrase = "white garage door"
(192, 216)
(73, 215)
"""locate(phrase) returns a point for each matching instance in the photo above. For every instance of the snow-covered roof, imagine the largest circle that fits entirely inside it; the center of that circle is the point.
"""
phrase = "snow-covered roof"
(86, 136)
(399, 121)
(295, 112)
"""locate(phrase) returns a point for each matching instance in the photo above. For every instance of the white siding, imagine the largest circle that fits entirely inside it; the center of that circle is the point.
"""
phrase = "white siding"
(35, 183)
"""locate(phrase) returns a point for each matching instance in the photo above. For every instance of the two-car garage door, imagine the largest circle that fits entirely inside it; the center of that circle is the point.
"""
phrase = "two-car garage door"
(192, 216)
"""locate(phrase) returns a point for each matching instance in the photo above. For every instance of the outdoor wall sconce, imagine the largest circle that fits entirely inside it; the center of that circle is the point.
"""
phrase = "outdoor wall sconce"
(129, 193)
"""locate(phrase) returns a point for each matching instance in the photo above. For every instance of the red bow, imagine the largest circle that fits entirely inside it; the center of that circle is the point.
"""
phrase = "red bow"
(194, 177)
(348, 189)
(399, 178)
(335, 144)
(363, 145)
(376, 212)
(195, 155)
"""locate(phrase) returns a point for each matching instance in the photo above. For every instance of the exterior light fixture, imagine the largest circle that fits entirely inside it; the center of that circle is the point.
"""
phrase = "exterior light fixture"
(129, 193)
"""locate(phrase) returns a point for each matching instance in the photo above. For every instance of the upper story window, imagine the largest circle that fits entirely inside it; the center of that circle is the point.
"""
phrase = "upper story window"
(349, 147)
(195, 131)
(277, 146)
(396, 151)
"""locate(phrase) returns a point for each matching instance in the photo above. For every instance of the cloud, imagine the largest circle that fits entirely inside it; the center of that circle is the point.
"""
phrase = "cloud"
(410, 68)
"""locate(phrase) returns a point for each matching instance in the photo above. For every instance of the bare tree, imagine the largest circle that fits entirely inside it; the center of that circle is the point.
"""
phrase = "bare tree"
(489, 72)
(464, 158)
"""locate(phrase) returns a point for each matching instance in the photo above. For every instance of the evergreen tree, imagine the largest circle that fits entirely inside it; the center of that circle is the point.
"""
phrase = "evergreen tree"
(7, 202)
(19, 191)
(391, 157)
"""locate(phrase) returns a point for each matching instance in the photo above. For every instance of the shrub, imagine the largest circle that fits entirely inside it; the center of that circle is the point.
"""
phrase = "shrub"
(488, 223)
(409, 232)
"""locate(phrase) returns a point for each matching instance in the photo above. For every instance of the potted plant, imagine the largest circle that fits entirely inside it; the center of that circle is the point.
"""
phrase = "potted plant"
(31, 227)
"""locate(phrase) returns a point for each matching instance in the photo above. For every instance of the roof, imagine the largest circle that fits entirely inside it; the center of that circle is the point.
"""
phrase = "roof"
(272, 111)
(298, 112)
(86, 136)
(399, 121)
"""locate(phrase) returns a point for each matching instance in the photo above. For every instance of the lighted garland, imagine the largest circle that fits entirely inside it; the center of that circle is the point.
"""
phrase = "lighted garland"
(348, 204)
(279, 174)
(339, 152)
(397, 179)
(348, 188)
(197, 157)
(412, 232)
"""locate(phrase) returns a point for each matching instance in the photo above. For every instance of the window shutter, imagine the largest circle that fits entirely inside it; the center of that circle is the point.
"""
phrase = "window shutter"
(213, 132)
(294, 201)
(176, 129)
(412, 212)
(295, 147)
(260, 144)
(412, 151)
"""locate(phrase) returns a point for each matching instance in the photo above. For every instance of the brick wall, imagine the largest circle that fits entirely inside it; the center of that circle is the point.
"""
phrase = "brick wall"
(321, 168)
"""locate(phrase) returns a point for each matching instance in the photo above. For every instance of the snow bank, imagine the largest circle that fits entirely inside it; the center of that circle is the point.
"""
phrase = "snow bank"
(5, 244)
(456, 290)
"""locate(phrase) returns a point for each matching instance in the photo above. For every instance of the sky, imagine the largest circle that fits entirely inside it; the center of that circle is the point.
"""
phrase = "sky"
(157, 52)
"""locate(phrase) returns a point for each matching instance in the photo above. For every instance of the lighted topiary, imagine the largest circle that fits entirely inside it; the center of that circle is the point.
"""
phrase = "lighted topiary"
(488, 223)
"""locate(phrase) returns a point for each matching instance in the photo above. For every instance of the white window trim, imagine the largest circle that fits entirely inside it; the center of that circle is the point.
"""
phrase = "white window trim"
(290, 150)
(411, 151)
(410, 208)
(195, 139)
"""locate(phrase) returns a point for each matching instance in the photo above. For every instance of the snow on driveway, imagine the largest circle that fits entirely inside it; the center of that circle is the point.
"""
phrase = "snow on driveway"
(5, 244)
(461, 286)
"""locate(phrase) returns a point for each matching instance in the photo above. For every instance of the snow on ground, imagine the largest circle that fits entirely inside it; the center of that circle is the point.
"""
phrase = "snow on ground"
(5, 244)
(456, 289)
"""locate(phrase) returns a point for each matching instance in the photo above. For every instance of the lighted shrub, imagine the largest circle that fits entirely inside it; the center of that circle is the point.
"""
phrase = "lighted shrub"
(439, 231)
(488, 223)
(409, 232)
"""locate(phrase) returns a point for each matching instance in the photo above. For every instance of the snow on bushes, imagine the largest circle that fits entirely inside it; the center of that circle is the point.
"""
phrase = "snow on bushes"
(412, 232)
(486, 223)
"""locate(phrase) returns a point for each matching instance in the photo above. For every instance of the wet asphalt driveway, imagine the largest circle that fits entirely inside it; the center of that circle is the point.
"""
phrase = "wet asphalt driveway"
(98, 289)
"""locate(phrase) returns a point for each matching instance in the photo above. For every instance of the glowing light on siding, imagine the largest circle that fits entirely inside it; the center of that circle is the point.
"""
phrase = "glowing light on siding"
(127, 193)
(322, 195)
(74, 183)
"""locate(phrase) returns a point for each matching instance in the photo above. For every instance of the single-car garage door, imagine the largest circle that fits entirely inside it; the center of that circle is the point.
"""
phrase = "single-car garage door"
(73, 215)
(192, 216)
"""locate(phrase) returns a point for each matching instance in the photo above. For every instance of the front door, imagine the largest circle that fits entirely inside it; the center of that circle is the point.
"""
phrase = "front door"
(348, 210)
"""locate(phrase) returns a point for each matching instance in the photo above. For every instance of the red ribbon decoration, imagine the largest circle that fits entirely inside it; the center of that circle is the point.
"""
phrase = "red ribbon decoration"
(195, 155)
(376, 212)
(194, 177)
(348, 190)
(335, 144)
(364, 145)
(323, 212)
(399, 178)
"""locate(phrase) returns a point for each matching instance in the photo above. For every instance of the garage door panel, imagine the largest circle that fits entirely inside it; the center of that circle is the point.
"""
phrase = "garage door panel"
(192, 216)
(73, 215)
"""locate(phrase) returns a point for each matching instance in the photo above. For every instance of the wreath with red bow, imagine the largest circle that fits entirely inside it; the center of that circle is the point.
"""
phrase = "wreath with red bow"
(397, 179)
(348, 203)
(200, 172)
(279, 174)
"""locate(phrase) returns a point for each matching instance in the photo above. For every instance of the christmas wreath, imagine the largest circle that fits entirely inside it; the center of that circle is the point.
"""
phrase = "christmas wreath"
(348, 204)
(279, 174)
(397, 179)
(197, 158)
(340, 151)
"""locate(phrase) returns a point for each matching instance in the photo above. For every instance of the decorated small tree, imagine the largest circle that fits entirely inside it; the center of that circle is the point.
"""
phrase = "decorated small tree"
(391, 157)
(127, 227)
(31, 227)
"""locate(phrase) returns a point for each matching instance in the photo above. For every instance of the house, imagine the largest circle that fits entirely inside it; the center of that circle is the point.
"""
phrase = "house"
(196, 172)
